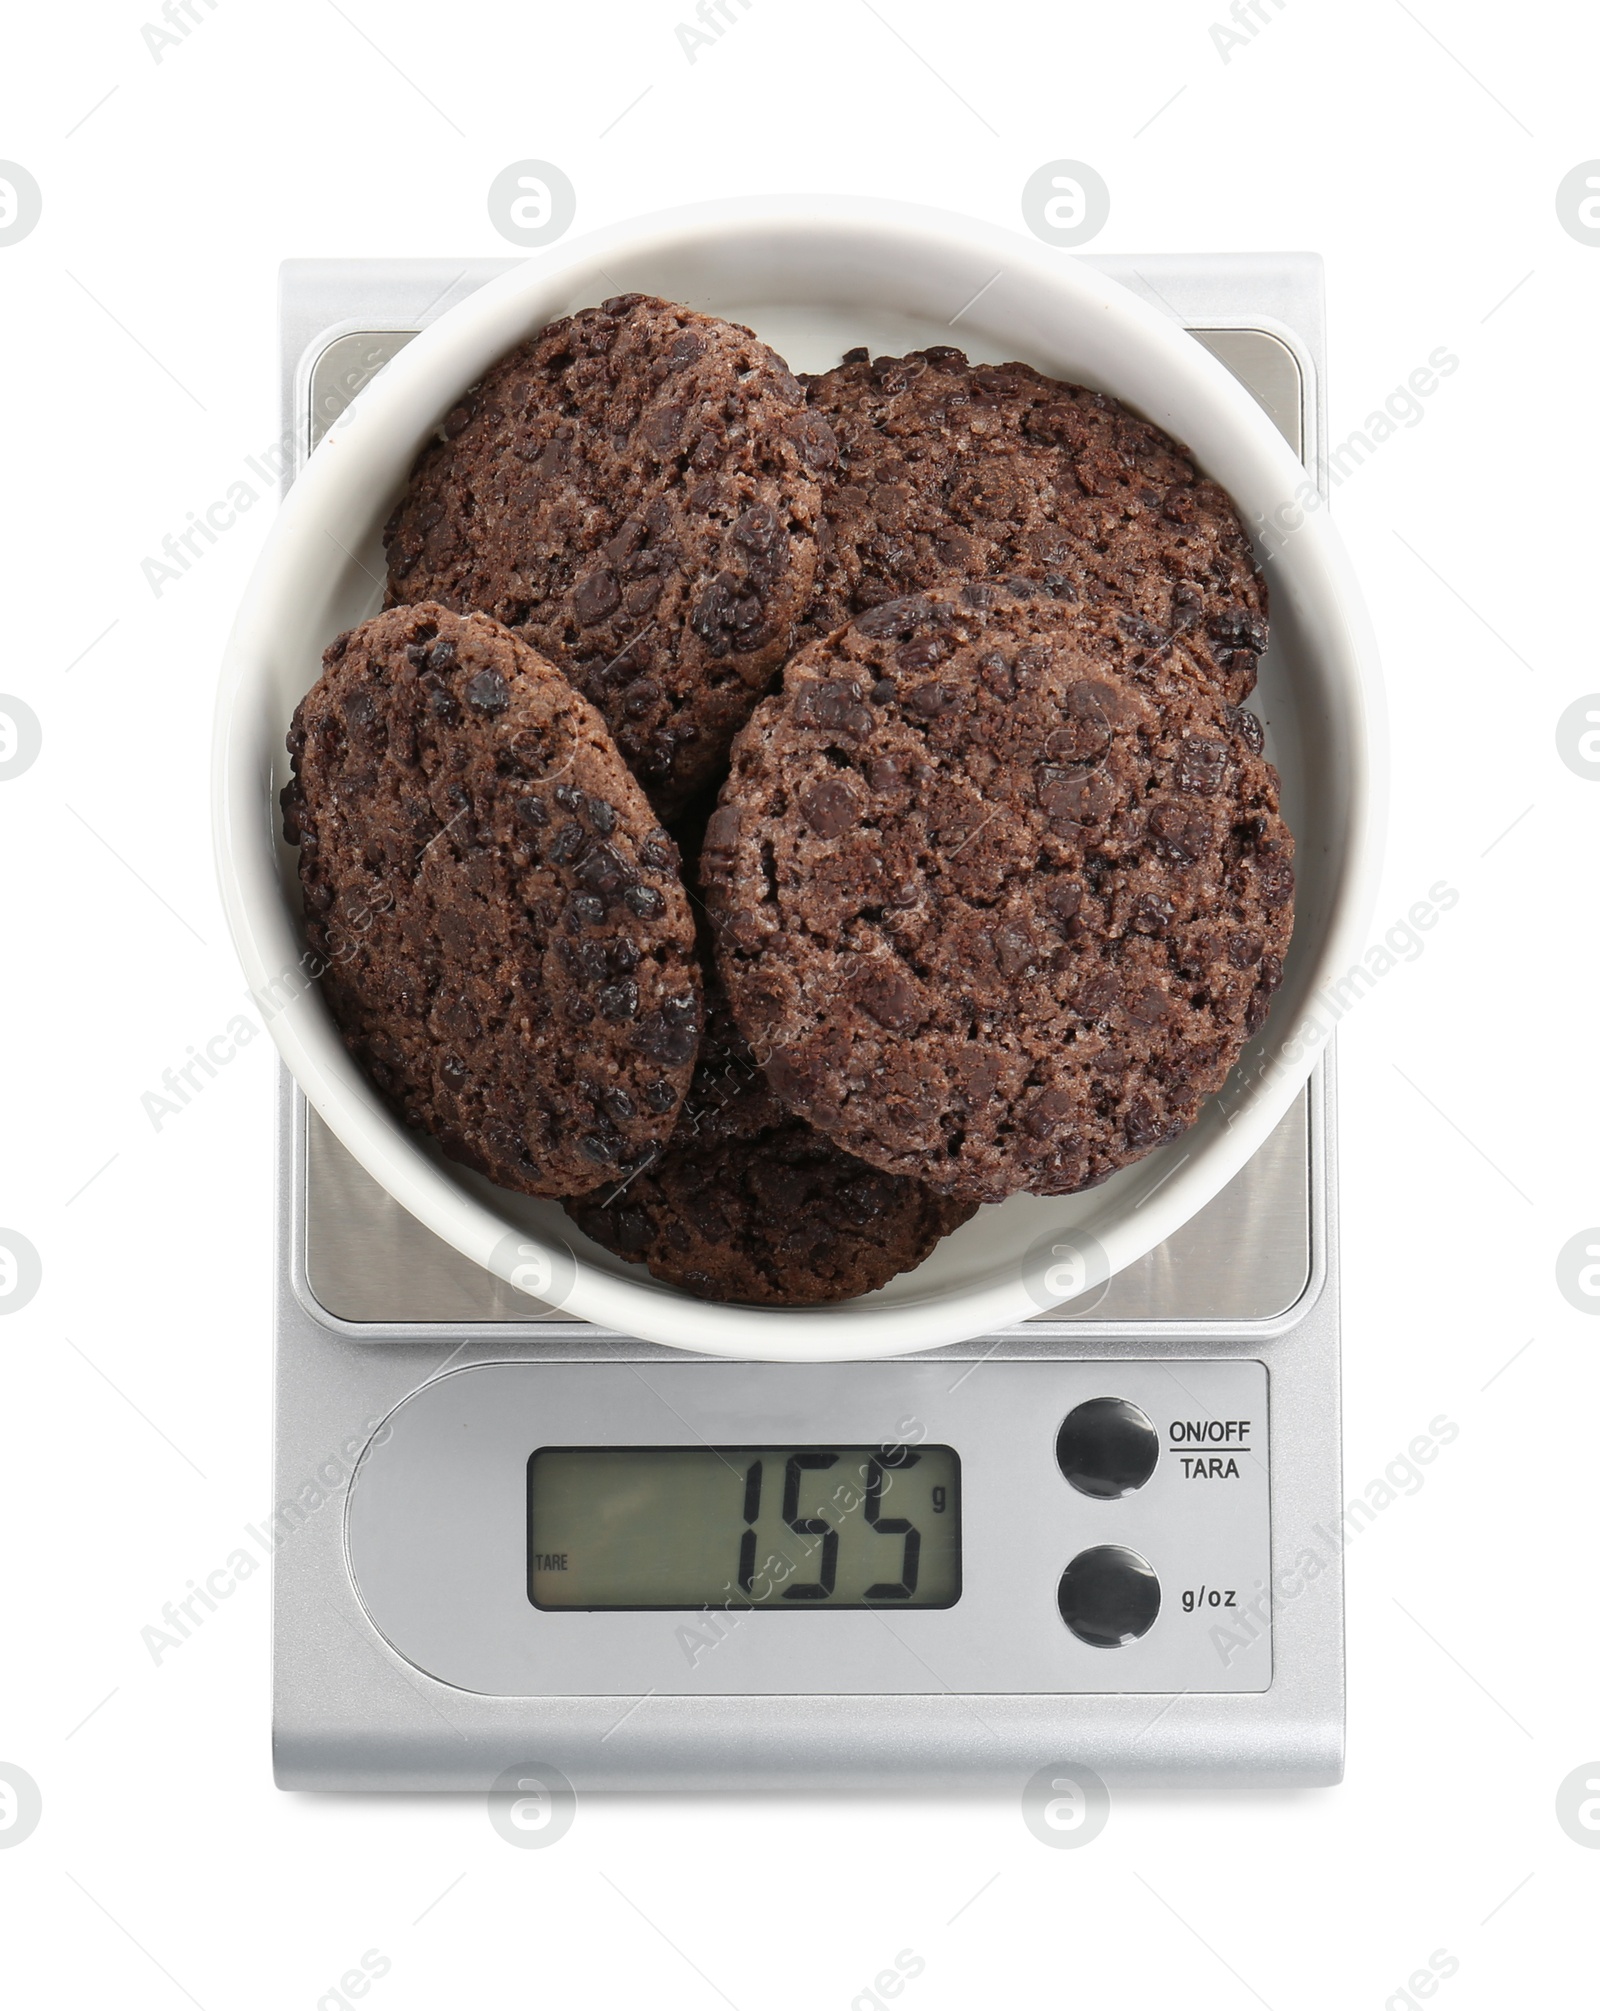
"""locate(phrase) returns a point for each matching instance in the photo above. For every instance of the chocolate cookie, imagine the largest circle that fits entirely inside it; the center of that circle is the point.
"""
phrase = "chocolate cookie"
(634, 492)
(507, 947)
(995, 917)
(746, 1202)
(953, 470)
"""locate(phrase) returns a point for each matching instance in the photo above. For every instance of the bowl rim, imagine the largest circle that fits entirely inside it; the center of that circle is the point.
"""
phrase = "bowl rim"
(429, 372)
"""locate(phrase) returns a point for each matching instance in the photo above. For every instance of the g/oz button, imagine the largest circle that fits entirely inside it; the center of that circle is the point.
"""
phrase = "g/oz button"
(1109, 1596)
(1107, 1447)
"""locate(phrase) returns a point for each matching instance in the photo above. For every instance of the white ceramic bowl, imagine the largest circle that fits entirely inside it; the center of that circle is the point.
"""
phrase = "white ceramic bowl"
(814, 277)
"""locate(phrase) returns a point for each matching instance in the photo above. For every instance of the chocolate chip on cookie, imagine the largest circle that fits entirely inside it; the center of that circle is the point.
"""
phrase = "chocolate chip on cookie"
(503, 937)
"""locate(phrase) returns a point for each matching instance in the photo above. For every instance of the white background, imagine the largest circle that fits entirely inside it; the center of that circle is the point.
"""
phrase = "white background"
(139, 368)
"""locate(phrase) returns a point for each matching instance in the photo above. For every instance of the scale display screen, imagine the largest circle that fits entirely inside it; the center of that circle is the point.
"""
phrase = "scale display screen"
(788, 1528)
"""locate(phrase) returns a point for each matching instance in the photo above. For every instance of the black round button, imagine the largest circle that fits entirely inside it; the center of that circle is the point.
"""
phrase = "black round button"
(1107, 1447)
(1109, 1596)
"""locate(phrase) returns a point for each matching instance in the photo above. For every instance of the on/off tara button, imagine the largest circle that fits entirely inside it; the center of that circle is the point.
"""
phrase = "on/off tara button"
(1107, 1447)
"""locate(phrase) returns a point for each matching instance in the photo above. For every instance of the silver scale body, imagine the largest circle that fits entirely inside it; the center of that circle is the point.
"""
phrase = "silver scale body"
(406, 1653)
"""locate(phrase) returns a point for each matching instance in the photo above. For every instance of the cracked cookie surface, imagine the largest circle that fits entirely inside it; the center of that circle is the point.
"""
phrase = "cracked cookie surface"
(991, 913)
(954, 470)
(747, 1202)
(505, 941)
(633, 492)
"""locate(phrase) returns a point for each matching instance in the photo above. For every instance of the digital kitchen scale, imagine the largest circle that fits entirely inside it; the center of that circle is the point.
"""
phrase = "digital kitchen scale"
(1107, 1536)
